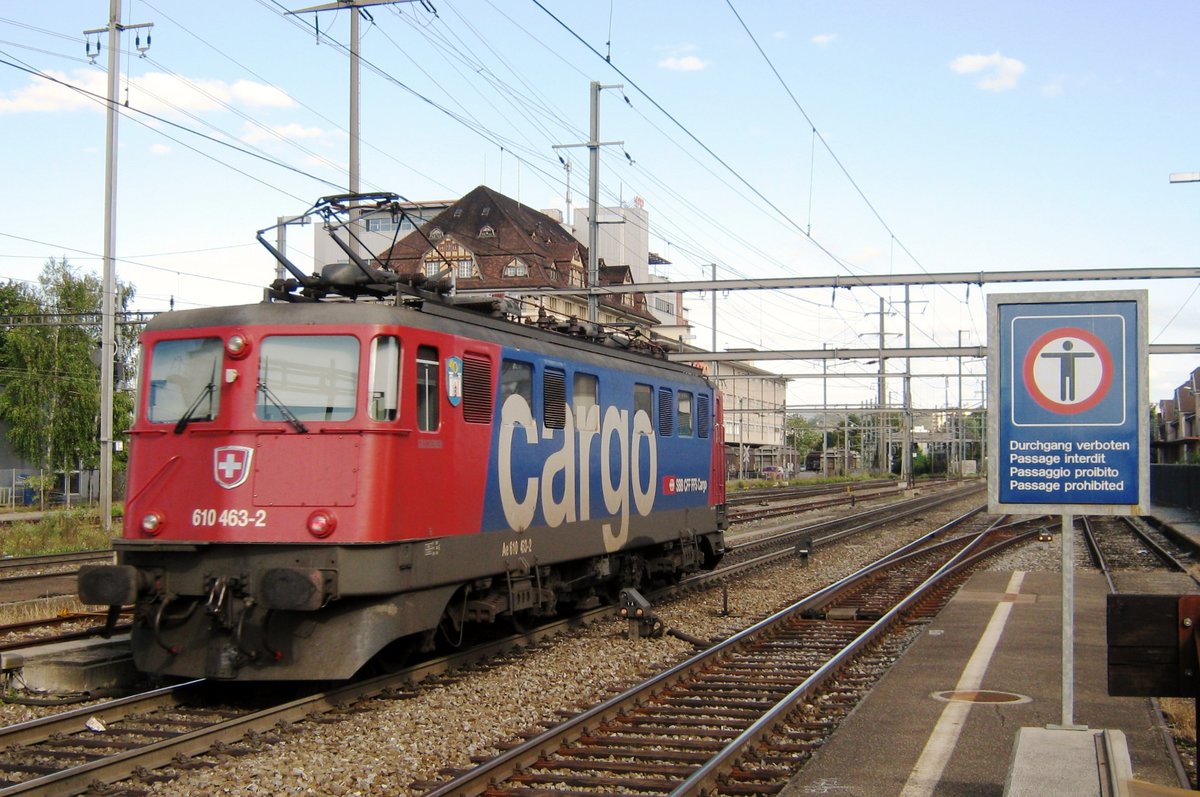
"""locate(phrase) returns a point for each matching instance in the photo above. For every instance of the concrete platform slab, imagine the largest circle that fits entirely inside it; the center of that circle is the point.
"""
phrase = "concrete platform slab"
(915, 736)
(1069, 763)
(79, 666)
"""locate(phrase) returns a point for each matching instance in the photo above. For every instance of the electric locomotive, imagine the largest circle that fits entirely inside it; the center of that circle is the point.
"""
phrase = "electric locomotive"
(360, 466)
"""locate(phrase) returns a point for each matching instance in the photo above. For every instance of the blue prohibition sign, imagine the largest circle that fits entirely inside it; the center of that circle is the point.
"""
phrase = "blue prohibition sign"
(1068, 404)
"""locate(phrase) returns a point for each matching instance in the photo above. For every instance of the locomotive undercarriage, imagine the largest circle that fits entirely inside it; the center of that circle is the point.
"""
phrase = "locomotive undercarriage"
(321, 612)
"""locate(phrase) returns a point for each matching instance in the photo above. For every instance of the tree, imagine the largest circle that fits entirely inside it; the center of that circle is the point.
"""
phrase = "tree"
(49, 367)
(802, 435)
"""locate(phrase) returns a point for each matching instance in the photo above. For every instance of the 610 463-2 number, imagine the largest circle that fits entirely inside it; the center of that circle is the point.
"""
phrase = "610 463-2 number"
(233, 518)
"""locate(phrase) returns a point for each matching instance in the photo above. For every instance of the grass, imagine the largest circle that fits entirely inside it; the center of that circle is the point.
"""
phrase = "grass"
(57, 532)
(40, 609)
(1181, 714)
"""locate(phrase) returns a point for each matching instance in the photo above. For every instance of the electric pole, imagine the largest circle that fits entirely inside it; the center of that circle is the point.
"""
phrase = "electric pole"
(593, 145)
(108, 347)
(357, 11)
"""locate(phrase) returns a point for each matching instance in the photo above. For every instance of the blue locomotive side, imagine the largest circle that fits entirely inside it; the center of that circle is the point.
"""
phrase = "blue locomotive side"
(593, 443)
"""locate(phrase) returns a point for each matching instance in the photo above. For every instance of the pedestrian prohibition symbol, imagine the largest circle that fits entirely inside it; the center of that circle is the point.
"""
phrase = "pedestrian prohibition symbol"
(1068, 370)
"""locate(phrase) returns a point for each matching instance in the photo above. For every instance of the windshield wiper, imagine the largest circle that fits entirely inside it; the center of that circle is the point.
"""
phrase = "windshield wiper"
(284, 410)
(189, 416)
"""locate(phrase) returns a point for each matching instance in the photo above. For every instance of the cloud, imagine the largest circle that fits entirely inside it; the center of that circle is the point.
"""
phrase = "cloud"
(684, 63)
(160, 149)
(823, 39)
(44, 96)
(293, 131)
(1054, 88)
(1000, 73)
(154, 92)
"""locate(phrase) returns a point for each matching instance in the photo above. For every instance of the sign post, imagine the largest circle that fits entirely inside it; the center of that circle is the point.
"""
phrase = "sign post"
(1067, 386)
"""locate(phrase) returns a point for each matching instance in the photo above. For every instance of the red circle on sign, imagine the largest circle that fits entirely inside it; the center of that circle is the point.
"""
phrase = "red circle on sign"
(1106, 371)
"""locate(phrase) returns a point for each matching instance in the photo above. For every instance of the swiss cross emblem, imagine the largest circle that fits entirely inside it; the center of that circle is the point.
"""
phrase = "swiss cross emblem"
(231, 465)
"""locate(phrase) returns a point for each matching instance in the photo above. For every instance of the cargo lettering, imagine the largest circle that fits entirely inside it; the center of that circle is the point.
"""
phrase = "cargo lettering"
(622, 469)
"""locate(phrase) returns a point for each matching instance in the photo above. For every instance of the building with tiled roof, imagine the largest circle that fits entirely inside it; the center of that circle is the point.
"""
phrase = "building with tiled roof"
(488, 241)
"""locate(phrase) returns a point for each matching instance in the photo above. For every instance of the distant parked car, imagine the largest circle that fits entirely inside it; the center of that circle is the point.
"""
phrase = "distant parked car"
(772, 472)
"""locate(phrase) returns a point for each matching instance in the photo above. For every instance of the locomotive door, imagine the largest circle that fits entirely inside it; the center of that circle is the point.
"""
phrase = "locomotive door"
(717, 470)
(429, 467)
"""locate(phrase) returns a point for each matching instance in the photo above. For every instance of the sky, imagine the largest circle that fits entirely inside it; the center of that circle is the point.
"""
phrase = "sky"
(773, 139)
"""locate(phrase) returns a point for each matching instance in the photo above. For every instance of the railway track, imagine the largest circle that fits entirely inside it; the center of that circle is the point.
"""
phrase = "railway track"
(62, 755)
(1120, 543)
(17, 566)
(781, 501)
(777, 689)
(809, 538)
(1117, 544)
(31, 578)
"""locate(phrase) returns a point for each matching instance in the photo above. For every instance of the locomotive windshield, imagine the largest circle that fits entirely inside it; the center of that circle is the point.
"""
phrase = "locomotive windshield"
(184, 383)
(307, 378)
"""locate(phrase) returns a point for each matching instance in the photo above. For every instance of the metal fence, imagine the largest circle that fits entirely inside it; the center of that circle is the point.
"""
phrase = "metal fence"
(1175, 485)
(69, 488)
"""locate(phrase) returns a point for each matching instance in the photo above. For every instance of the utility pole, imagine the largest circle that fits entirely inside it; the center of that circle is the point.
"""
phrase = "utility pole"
(880, 458)
(593, 145)
(958, 433)
(357, 11)
(906, 459)
(108, 343)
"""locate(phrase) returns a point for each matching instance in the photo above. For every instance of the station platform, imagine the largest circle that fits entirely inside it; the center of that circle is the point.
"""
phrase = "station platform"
(71, 667)
(946, 719)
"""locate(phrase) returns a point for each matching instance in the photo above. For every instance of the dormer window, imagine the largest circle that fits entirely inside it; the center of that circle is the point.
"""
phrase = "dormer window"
(487, 231)
(516, 268)
(436, 234)
(486, 211)
(457, 212)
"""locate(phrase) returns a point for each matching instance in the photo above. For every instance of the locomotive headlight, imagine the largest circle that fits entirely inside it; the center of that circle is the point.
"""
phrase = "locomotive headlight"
(321, 523)
(237, 346)
(153, 522)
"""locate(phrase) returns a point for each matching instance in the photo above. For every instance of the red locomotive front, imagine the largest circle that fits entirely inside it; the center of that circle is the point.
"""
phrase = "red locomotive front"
(281, 432)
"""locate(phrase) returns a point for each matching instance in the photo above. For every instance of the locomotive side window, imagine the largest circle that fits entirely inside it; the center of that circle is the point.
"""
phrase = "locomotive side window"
(666, 415)
(554, 398)
(585, 398)
(703, 416)
(477, 388)
(516, 377)
(185, 383)
(684, 413)
(307, 378)
(428, 407)
(384, 390)
(643, 400)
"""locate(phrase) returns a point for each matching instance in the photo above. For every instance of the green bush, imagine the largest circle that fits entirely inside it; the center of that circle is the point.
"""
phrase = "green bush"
(56, 532)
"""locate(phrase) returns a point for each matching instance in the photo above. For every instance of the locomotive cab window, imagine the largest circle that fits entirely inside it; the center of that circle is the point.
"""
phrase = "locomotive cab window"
(585, 400)
(683, 412)
(643, 401)
(428, 407)
(384, 389)
(185, 381)
(516, 378)
(307, 378)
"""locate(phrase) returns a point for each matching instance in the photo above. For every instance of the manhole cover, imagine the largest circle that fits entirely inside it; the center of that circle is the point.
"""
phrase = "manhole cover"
(980, 696)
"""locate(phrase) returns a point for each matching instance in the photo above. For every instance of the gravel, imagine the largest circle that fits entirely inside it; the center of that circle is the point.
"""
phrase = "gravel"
(400, 742)
(395, 743)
